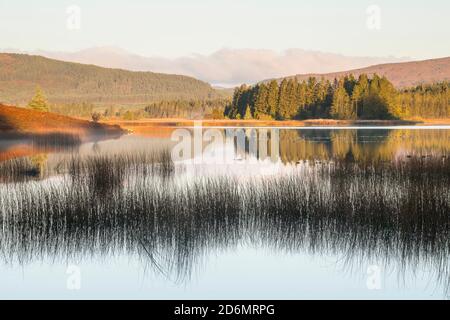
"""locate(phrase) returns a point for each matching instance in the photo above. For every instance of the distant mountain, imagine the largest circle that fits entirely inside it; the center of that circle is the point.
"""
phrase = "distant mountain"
(66, 82)
(406, 74)
(225, 67)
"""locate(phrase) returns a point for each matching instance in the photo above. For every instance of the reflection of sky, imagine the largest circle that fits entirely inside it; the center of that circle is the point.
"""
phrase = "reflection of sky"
(235, 274)
(374, 136)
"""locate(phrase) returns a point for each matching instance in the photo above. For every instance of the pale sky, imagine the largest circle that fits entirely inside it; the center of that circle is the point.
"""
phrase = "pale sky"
(170, 28)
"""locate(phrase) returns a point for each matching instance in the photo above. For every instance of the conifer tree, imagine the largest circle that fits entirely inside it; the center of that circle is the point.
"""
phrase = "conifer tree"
(248, 113)
(272, 99)
(283, 101)
(243, 99)
(388, 95)
(39, 101)
(262, 92)
(292, 99)
(341, 107)
(345, 98)
(355, 99)
(301, 99)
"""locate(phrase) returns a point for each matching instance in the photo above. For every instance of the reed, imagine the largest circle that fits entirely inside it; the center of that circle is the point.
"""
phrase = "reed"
(17, 169)
(391, 211)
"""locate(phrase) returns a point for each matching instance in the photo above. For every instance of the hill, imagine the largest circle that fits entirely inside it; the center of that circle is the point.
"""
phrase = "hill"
(66, 82)
(21, 121)
(401, 75)
(229, 67)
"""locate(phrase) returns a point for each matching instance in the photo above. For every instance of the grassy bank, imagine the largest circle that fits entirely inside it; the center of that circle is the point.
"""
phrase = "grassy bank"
(21, 122)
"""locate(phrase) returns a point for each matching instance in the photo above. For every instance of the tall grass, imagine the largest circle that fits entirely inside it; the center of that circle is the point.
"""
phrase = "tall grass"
(15, 169)
(392, 211)
(102, 170)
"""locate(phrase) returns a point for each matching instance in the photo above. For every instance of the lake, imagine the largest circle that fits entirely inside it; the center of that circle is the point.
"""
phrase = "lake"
(253, 213)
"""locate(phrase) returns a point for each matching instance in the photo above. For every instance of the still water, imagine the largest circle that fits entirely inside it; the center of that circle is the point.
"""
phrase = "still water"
(253, 228)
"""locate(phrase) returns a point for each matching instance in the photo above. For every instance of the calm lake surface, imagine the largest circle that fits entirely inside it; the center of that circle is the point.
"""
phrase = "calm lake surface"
(337, 213)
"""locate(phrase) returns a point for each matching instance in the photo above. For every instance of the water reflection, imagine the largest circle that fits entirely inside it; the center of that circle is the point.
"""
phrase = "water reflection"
(362, 195)
(295, 145)
(363, 144)
(32, 156)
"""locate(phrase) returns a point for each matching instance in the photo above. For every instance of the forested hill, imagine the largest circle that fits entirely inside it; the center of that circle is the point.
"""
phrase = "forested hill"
(66, 82)
(401, 75)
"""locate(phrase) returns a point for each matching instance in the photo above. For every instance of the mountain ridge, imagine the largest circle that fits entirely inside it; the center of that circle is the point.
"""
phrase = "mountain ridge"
(226, 66)
(401, 74)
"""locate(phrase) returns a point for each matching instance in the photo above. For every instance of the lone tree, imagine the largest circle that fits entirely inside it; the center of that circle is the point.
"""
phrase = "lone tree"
(39, 101)
(248, 113)
(96, 116)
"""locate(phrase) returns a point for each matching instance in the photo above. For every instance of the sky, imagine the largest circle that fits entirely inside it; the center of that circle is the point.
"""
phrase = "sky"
(172, 28)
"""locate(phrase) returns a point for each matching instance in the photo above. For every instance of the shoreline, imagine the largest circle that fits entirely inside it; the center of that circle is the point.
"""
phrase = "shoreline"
(22, 123)
(175, 122)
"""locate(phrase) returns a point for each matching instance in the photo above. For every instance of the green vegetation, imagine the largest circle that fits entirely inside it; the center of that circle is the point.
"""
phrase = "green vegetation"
(345, 98)
(79, 90)
(248, 113)
(82, 109)
(189, 109)
(426, 101)
(39, 101)
(68, 83)
(192, 109)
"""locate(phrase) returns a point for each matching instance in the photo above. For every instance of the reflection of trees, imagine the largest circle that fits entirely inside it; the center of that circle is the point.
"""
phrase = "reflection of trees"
(256, 143)
(383, 211)
(364, 145)
(416, 142)
(328, 144)
(294, 146)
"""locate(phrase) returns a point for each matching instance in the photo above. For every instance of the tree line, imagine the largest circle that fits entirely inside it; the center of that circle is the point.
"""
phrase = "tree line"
(191, 109)
(426, 101)
(344, 98)
(187, 109)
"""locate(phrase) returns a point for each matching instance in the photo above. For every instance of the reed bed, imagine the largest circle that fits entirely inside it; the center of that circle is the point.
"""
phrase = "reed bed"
(389, 211)
(106, 172)
(103, 170)
(14, 169)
